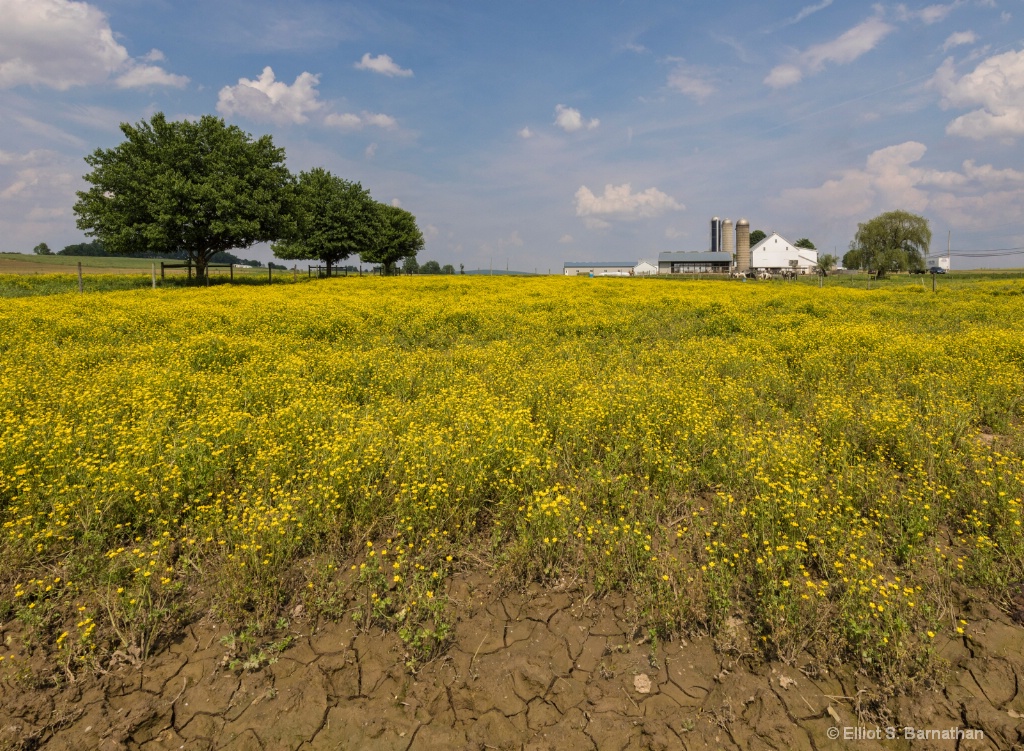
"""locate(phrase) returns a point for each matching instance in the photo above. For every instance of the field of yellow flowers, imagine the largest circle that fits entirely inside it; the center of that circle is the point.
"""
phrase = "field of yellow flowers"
(833, 465)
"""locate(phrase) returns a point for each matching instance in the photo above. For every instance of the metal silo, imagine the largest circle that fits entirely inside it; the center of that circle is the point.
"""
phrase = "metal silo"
(728, 239)
(716, 234)
(743, 245)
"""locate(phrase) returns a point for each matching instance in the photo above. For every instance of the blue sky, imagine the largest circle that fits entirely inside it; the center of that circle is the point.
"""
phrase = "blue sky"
(543, 132)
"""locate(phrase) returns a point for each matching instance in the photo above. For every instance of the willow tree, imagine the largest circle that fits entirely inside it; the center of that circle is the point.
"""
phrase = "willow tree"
(333, 218)
(195, 187)
(893, 241)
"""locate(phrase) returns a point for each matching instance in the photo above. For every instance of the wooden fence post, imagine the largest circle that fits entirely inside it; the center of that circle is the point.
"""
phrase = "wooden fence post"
(161, 270)
(80, 288)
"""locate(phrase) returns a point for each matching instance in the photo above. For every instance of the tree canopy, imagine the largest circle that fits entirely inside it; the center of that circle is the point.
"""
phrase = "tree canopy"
(803, 242)
(42, 249)
(333, 218)
(430, 267)
(757, 236)
(197, 187)
(893, 241)
(826, 263)
(397, 237)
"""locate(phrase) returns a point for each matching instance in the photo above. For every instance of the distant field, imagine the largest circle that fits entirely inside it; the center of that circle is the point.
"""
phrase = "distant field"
(19, 263)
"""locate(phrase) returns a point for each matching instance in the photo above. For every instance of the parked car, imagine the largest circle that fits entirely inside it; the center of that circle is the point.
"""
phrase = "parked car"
(918, 271)
(936, 270)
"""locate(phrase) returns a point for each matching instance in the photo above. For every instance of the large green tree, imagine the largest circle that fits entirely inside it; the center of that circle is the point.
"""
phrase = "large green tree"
(193, 187)
(397, 237)
(826, 263)
(757, 236)
(42, 249)
(803, 242)
(893, 241)
(333, 218)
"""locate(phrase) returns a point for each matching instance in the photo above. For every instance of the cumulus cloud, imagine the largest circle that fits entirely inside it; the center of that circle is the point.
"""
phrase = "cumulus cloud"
(689, 81)
(266, 99)
(350, 121)
(620, 202)
(890, 179)
(997, 85)
(957, 38)
(842, 50)
(525, 132)
(382, 64)
(62, 43)
(570, 120)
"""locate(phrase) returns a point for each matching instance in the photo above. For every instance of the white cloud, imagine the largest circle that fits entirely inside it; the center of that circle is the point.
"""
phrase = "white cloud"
(620, 202)
(350, 121)
(396, 203)
(382, 64)
(371, 151)
(957, 38)
(890, 179)
(140, 76)
(268, 100)
(928, 15)
(691, 82)
(61, 44)
(570, 120)
(807, 11)
(37, 190)
(997, 85)
(565, 239)
(525, 132)
(842, 50)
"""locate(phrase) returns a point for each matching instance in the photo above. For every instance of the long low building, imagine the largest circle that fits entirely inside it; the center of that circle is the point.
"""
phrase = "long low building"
(683, 262)
(609, 268)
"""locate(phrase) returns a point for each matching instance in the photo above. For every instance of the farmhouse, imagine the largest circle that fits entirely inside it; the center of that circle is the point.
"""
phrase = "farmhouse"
(775, 253)
(704, 262)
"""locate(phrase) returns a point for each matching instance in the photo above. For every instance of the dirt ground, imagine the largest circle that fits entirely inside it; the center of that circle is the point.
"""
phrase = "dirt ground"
(536, 670)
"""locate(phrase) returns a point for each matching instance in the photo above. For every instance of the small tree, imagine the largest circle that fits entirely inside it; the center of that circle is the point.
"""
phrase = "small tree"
(193, 187)
(333, 218)
(397, 237)
(756, 236)
(42, 249)
(430, 267)
(447, 269)
(410, 265)
(826, 263)
(893, 241)
(803, 242)
(462, 268)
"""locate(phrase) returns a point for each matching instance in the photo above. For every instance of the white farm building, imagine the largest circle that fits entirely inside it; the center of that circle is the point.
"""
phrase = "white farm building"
(775, 253)
(610, 268)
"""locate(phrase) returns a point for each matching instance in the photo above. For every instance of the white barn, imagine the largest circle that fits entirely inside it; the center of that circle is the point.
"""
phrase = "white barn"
(776, 253)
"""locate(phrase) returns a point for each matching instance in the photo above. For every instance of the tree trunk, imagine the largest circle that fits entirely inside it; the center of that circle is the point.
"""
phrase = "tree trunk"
(328, 268)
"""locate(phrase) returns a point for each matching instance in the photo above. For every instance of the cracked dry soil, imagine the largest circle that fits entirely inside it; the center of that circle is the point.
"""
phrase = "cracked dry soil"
(534, 670)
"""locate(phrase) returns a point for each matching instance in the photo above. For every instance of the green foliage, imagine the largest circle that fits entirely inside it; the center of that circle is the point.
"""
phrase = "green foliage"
(826, 263)
(333, 218)
(42, 249)
(803, 242)
(757, 236)
(193, 187)
(893, 241)
(94, 248)
(410, 265)
(397, 237)
(447, 269)
(430, 267)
